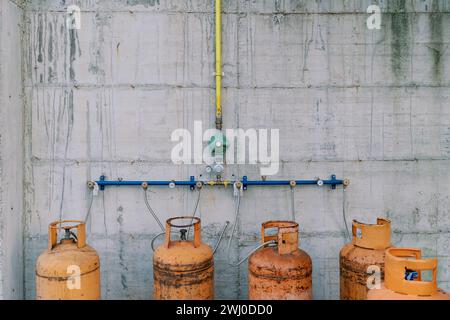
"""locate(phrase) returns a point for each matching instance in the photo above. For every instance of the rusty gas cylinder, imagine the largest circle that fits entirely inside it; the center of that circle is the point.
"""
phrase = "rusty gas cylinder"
(359, 258)
(70, 269)
(183, 269)
(280, 271)
(403, 277)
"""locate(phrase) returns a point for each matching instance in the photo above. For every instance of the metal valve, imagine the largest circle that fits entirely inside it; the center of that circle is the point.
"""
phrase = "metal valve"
(218, 168)
(346, 183)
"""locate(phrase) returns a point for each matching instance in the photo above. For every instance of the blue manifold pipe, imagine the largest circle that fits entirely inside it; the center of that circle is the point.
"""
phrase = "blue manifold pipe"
(333, 182)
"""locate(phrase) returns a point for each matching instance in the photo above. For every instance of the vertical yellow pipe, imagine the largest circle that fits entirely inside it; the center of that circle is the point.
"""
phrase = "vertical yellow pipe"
(218, 64)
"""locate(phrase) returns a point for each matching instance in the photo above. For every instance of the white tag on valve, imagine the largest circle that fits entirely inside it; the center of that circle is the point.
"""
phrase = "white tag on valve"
(96, 189)
(238, 190)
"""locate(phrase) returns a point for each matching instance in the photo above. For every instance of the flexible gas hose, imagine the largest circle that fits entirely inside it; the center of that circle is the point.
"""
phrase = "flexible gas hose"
(194, 211)
(253, 251)
(152, 212)
(154, 238)
(344, 214)
(89, 208)
(236, 214)
(220, 237)
(293, 203)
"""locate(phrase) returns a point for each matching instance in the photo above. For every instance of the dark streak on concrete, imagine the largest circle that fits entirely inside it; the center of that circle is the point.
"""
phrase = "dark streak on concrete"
(124, 269)
(436, 40)
(74, 45)
(400, 37)
(50, 42)
(40, 33)
(145, 3)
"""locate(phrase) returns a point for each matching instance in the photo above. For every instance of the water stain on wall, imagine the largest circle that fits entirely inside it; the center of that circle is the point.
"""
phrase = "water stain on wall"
(436, 40)
(145, 3)
(74, 47)
(400, 37)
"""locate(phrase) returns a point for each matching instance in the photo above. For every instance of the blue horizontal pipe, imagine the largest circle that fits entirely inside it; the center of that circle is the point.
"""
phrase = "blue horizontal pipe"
(105, 183)
(192, 182)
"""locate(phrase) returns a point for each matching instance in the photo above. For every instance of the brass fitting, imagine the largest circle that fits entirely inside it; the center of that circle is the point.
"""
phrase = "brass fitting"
(199, 185)
(293, 184)
(144, 185)
(346, 183)
(238, 185)
(91, 184)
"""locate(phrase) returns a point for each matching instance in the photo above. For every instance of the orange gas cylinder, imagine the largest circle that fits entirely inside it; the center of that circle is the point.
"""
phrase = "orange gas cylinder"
(70, 269)
(183, 269)
(403, 277)
(369, 243)
(281, 271)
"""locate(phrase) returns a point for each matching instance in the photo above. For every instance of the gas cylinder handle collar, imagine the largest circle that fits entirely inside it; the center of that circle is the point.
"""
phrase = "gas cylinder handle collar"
(80, 236)
(372, 236)
(401, 263)
(286, 235)
(194, 222)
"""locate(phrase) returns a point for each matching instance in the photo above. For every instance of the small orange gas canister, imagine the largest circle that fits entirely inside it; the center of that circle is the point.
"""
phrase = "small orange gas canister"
(403, 277)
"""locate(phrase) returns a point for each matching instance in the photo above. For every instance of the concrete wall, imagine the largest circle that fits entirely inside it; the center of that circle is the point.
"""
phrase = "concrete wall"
(11, 151)
(368, 105)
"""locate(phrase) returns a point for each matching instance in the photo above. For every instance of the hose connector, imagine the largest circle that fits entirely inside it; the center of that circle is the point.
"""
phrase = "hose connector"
(144, 185)
(199, 185)
(346, 183)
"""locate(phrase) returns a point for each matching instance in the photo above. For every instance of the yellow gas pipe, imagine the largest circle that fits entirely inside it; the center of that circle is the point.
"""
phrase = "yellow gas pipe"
(218, 64)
